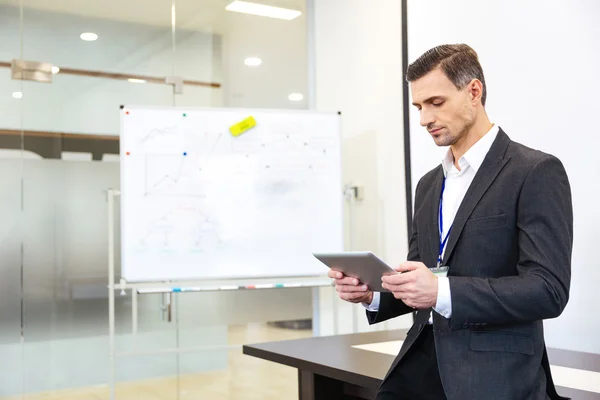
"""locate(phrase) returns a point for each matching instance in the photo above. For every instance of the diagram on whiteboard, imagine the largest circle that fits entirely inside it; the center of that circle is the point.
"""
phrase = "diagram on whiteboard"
(199, 203)
(161, 139)
(172, 175)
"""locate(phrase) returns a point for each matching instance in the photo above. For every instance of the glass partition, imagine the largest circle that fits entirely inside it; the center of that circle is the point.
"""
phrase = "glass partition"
(59, 155)
(12, 159)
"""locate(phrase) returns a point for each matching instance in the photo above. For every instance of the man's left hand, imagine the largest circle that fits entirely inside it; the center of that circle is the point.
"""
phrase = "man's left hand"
(416, 286)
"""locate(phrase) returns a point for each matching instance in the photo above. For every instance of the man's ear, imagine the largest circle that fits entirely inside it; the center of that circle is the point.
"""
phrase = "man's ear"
(475, 90)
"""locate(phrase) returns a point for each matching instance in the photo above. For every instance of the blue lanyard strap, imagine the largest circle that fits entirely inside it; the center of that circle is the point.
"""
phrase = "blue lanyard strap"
(443, 241)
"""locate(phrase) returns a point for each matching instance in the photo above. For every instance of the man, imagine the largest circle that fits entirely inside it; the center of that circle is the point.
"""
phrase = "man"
(496, 218)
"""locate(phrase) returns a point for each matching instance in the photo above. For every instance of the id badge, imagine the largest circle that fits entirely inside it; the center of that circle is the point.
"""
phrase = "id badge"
(440, 271)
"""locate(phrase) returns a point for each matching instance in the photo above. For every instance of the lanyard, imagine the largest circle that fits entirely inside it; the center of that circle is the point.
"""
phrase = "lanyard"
(443, 241)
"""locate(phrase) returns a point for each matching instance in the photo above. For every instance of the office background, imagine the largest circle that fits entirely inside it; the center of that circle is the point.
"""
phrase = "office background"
(338, 55)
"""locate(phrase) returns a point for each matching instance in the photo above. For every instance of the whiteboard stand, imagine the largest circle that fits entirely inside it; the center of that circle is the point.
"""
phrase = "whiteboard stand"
(111, 194)
(168, 289)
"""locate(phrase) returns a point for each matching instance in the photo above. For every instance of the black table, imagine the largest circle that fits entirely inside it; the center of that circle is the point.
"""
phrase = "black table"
(329, 368)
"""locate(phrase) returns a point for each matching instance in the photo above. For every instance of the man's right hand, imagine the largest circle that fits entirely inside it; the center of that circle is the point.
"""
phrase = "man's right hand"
(350, 289)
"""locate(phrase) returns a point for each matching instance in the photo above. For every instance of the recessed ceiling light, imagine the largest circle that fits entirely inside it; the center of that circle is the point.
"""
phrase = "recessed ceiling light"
(55, 69)
(135, 80)
(253, 61)
(17, 95)
(88, 36)
(262, 10)
(296, 97)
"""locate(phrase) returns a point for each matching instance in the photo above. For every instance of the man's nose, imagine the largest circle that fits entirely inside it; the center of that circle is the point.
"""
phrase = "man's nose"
(427, 117)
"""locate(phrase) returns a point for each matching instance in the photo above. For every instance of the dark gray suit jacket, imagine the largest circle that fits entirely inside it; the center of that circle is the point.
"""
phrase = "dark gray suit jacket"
(509, 255)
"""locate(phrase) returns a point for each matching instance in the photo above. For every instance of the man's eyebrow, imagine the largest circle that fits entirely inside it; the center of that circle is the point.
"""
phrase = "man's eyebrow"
(430, 100)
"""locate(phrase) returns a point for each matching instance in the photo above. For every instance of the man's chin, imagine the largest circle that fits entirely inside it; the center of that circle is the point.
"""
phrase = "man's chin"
(441, 141)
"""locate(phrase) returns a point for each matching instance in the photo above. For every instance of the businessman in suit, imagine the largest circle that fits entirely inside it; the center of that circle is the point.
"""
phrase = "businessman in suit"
(489, 255)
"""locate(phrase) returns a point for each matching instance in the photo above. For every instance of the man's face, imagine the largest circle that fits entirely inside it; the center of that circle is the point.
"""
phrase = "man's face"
(446, 112)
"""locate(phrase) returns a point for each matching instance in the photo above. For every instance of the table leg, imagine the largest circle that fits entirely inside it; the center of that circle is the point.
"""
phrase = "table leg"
(316, 387)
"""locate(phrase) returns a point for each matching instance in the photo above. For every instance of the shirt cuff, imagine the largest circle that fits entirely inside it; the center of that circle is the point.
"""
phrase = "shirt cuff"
(443, 304)
(374, 306)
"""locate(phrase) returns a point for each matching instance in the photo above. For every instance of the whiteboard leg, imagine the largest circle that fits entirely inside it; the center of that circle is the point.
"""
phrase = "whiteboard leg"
(316, 321)
(134, 312)
(165, 306)
(111, 293)
(169, 308)
(335, 313)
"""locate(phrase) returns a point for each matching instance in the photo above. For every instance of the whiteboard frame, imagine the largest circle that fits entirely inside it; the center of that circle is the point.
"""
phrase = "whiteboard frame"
(242, 279)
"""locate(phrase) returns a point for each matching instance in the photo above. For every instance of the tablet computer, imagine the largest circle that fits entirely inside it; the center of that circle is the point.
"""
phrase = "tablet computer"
(363, 265)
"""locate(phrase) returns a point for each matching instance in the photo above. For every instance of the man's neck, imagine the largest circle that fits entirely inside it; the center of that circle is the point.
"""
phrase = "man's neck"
(477, 131)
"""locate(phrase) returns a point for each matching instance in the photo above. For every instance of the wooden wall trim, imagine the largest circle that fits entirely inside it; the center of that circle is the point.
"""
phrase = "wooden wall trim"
(51, 145)
(57, 135)
(122, 77)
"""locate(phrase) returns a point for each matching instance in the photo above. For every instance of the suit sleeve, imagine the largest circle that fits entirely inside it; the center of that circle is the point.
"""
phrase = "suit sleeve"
(389, 306)
(540, 290)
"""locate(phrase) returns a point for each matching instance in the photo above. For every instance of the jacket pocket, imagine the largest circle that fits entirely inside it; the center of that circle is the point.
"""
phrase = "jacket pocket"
(496, 221)
(501, 342)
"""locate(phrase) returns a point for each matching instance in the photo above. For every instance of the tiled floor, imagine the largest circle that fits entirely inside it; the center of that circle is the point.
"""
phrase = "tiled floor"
(247, 378)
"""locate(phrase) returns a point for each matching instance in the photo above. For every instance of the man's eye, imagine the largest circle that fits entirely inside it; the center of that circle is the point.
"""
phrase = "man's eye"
(438, 104)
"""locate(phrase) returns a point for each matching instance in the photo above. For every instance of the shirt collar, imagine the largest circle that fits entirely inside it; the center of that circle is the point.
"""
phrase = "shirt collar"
(474, 157)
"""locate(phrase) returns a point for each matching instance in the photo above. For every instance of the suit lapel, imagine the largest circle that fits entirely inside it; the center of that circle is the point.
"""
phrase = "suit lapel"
(487, 173)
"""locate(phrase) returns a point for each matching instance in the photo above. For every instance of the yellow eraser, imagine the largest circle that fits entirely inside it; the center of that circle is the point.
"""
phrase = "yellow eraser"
(241, 127)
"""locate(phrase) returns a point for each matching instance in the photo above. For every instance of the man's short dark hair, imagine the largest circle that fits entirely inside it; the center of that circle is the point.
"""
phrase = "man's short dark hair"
(458, 61)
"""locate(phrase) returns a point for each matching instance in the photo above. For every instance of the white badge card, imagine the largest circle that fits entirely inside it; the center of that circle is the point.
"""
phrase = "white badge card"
(440, 271)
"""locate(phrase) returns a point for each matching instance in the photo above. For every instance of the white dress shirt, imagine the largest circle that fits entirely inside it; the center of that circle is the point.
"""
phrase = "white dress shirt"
(457, 183)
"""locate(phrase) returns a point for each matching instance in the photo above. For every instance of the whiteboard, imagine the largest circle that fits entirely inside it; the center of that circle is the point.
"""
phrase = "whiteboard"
(541, 60)
(198, 203)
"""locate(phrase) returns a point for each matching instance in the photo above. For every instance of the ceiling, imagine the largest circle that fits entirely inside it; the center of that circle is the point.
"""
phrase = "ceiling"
(201, 15)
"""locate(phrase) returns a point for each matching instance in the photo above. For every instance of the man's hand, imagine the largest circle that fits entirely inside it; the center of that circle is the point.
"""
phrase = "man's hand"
(350, 289)
(417, 286)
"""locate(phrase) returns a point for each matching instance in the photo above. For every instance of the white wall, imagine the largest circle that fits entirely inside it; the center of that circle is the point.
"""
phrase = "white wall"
(541, 60)
(359, 72)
